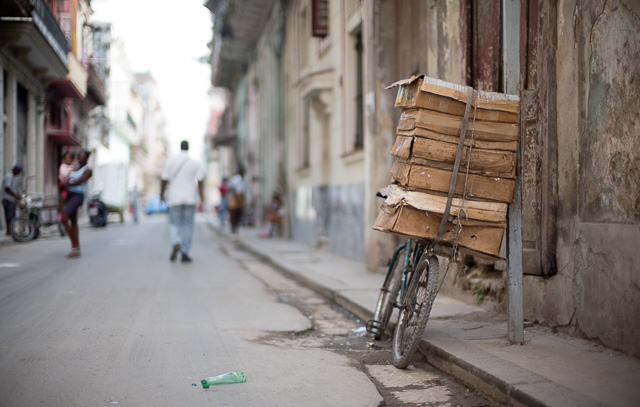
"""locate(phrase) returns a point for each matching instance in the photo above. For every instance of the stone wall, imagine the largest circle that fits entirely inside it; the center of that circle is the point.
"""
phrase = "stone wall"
(596, 291)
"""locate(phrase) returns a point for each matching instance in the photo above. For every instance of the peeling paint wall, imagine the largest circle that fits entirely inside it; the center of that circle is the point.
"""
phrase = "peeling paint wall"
(596, 291)
(408, 37)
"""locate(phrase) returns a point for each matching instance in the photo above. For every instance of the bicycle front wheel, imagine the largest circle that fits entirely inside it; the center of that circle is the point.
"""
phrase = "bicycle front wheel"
(388, 295)
(415, 310)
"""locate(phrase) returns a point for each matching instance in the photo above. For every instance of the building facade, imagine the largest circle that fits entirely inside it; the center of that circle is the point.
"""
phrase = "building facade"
(575, 219)
(151, 153)
(251, 132)
(33, 54)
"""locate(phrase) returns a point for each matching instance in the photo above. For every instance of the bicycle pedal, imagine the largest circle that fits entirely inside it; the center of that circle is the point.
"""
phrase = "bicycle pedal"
(374, 327)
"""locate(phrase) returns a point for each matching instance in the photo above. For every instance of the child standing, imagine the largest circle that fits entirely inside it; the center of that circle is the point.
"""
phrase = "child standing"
(63, 175)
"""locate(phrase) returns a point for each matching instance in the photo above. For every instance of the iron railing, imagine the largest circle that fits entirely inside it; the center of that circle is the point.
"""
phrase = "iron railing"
(50, 28)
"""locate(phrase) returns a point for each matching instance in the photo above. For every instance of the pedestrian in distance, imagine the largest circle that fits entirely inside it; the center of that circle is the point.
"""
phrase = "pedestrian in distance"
(76, 190)
(63, 176)
(275, 214)
(236, 203)
(135, 199)
(184, 178)
(224, 198)
(11, 194)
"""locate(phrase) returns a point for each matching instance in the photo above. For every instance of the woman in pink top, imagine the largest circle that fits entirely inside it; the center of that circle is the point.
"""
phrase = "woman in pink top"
(63, 175)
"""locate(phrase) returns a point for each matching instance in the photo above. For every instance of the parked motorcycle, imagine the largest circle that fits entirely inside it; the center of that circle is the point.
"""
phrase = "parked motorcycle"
(98, 212)
(25, 226)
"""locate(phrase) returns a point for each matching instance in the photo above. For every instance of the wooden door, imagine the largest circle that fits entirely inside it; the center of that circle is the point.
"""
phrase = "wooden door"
(538, 137)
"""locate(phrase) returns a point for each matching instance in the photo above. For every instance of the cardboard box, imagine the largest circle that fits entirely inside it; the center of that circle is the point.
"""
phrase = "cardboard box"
(445, 97)
(451, 125)
(482, 241)
(482, 161)
(475, 143)
(426, 178)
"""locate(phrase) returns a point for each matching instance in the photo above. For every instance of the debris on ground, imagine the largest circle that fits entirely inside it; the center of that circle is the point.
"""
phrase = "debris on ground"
(227, 378)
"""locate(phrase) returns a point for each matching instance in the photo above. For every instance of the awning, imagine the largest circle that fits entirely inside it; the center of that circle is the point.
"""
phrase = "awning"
(64, 88)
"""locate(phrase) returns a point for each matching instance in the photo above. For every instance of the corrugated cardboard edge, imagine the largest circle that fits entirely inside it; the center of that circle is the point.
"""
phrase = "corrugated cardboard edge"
(406, 81)
(459, 92)
(494, 211)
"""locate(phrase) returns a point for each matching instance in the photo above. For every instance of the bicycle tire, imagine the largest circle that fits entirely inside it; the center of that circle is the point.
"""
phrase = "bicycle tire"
(415, 310)
(388, 295)
(22, 229)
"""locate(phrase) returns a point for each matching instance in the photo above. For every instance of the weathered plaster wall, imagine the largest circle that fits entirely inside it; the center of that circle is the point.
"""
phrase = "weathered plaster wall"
(333, 213)
(597, 288)
(408, 38)
(266, 95)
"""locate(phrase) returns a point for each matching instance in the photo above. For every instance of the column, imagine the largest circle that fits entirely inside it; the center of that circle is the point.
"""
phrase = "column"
(40, 144)
(10, 144)
(30, 167)
(2, 117)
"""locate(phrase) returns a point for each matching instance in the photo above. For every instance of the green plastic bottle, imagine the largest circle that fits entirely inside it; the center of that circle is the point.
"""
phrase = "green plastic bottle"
(227, 378)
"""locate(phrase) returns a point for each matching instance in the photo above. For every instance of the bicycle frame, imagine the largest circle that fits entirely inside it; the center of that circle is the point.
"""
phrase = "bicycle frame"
(411, 259)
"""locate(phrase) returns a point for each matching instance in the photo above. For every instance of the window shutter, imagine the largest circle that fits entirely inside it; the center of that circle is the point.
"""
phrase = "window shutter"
(320, 18)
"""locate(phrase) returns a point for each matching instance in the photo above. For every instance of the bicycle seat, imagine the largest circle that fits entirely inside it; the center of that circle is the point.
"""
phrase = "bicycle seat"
(383, 193)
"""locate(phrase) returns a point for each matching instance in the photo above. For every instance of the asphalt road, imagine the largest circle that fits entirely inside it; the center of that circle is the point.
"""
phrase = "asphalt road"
(124, 326)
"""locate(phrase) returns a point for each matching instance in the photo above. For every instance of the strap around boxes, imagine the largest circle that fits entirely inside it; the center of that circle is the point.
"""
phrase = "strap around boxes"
(456, 167)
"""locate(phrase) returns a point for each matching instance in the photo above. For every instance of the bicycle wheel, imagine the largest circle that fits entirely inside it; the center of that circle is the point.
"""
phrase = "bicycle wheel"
(388, 295)
(22, 229)
(415, 310)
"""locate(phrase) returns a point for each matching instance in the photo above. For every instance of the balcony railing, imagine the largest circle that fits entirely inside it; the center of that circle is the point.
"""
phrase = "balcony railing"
(95, 85)
(50, 28)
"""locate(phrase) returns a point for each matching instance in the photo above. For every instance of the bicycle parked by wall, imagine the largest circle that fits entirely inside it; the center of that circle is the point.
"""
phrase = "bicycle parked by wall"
(410, 285)
(29, 219)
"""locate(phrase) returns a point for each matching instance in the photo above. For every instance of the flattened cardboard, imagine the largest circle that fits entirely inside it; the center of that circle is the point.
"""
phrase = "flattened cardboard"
(402, 147)
(489, 145)
(484, 100)
(483, 161)
(493, 161)
(423, 226)
(468, 209)
(412, 96)
(425, 178)
(451, 125)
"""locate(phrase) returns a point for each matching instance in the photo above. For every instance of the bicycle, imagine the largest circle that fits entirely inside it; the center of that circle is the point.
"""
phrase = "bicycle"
(26, 225)
(410, 285)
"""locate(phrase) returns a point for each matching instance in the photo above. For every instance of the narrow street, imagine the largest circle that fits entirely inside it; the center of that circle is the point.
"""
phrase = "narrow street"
(124, 326)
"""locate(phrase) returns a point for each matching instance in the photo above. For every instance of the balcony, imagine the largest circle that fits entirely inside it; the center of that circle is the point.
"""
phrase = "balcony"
(95, 87)
(237, 28)
(32, 33)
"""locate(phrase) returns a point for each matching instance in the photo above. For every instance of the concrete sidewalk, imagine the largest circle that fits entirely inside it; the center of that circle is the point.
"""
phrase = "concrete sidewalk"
(550, 369)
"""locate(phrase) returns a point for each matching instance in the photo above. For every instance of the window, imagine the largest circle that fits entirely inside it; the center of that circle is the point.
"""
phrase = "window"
(303, 38)
(359, 128)
(305, 139)
(354, 91)
(320, 18)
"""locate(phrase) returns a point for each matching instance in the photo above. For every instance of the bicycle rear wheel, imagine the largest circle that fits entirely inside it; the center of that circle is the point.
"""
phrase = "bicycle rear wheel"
(415, 310)
(388, 295)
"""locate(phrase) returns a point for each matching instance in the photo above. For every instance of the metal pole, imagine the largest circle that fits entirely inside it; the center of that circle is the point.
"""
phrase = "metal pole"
(511, 64)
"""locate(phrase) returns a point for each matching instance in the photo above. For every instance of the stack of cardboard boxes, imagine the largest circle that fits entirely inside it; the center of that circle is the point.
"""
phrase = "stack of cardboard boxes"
(425, 150)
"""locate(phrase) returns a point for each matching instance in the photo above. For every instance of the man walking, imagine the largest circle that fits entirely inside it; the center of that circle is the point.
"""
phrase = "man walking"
(184, 177)
(10, 194)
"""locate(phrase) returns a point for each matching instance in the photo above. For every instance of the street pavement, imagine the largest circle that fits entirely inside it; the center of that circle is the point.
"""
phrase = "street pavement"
(549, 369)
(123, 326)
